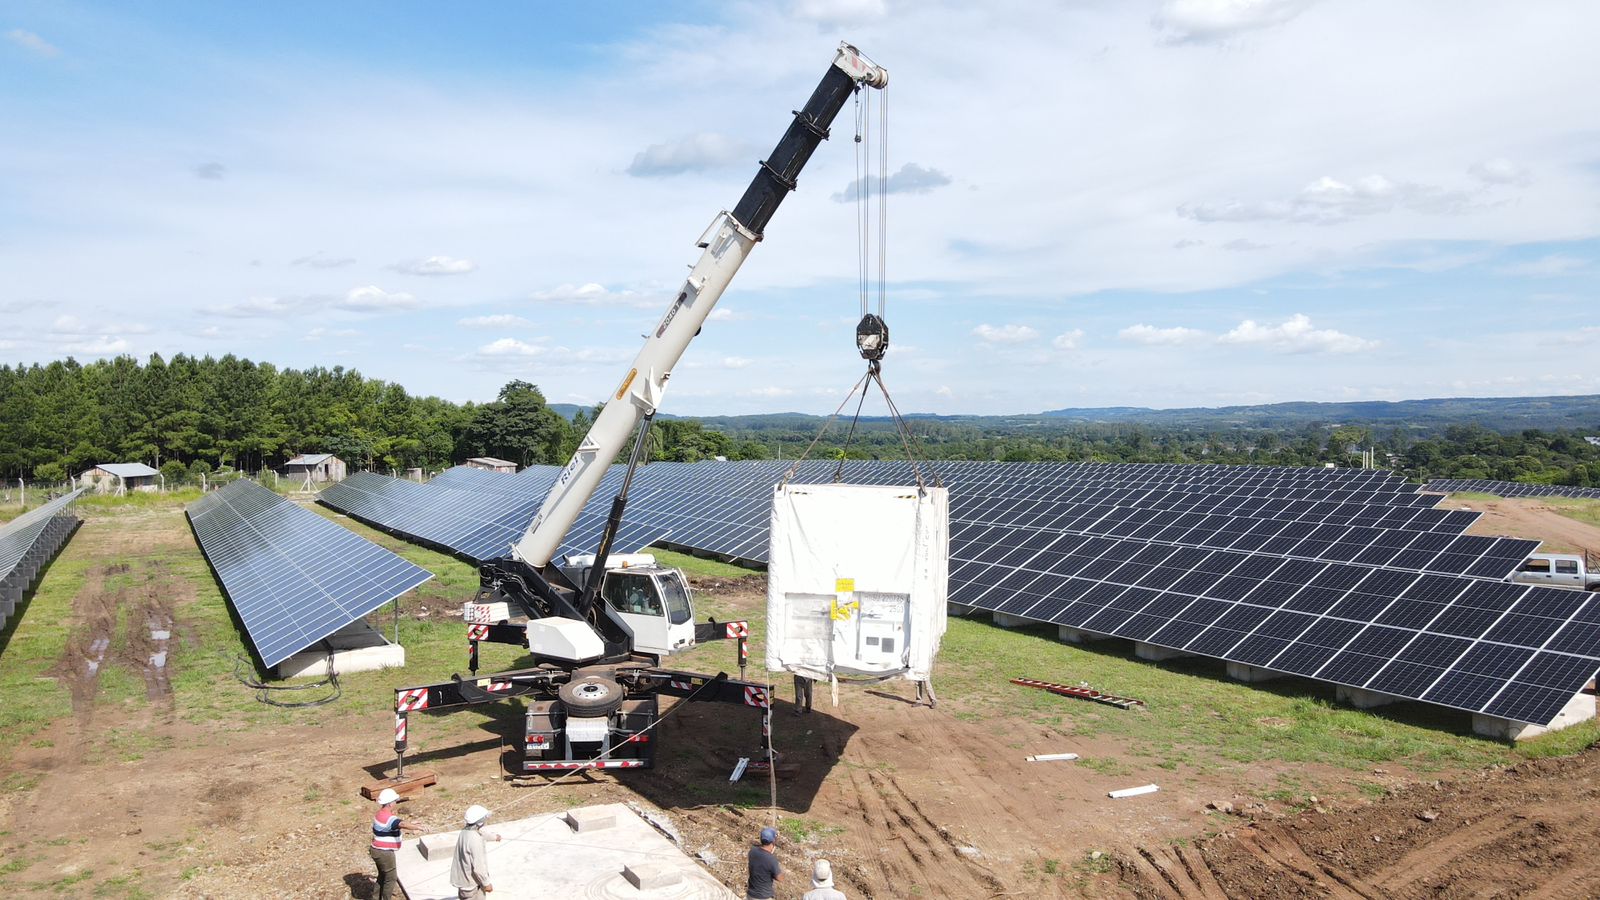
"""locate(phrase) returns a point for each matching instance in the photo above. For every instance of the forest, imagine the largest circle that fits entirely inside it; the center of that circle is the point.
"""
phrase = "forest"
(191, 415)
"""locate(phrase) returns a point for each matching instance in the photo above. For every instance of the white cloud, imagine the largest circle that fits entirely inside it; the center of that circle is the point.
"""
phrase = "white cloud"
(1546, 266)
(1069, 340)
(736, 362)
(318, 333)
(693, 153)
(1589, 334)
(318, 261)
(592, 294)
(510, 347)
(910, 179)
(257, 307)
(834, 13)
(943, 390)
(72, 326)
(499, 320)
(32, 42)
(1296, 335)
(1150, 335)
(210, 171)
(95, 346)
(1005, 334)
(1209, 21)
(375, 299)
(1500, 171)
(722, 314)
(1329, 200)
(768, 392)
(436, 265)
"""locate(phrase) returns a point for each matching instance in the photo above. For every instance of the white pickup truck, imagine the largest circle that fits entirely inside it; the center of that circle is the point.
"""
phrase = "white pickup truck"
(1559, 570)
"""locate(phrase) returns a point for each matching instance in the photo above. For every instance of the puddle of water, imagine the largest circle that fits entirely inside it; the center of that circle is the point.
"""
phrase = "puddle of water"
(159, 659)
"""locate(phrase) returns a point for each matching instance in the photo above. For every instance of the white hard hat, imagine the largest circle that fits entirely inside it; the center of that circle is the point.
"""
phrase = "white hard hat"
(476, 814)
(387, 796)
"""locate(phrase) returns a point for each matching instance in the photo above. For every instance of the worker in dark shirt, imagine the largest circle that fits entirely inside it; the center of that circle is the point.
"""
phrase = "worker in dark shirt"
(764, 868)
(802, 693)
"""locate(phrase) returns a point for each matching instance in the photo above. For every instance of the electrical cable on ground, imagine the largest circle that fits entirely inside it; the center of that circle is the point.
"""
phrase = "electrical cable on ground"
(265, 691)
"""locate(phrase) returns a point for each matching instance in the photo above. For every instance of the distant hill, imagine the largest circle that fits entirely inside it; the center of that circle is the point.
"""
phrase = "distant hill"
(1505, 414)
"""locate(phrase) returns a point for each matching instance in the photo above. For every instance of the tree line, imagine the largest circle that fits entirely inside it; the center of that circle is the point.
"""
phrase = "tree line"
(189, 415)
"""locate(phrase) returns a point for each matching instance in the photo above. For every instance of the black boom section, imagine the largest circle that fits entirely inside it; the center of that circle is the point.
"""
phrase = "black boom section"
(780, 169)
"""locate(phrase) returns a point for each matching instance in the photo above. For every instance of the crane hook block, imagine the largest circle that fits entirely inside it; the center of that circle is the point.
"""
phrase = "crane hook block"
(872, 337)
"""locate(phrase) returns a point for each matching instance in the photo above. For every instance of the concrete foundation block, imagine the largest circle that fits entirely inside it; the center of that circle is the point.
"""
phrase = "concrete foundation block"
(1580, 708)
(1362, 698)
(356, 648)
(649, 876)
(958, 609)
(438, 846)
(1007, 620)
(1156, 653)
(593, 819)
(1078, 636)
(1251, 674)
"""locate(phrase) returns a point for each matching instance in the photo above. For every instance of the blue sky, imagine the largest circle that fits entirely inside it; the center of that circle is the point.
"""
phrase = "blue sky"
(1180, 203)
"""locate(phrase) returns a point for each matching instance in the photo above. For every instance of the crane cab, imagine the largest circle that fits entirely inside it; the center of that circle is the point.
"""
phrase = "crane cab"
(650, 601)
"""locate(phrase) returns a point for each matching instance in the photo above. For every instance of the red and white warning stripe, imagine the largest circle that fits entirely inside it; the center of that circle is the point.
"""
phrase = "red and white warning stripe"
(399, 729)
(754, 696)
(738, 629)
(412, 700)
(477, 632)
(597, 764)
(681, 685)
(498, 686)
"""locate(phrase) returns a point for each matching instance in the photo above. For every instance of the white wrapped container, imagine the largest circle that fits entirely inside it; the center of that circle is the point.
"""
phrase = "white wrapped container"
(856, 580)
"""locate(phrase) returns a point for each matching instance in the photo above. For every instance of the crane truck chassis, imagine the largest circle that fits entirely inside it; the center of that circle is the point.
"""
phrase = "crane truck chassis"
(598, 627)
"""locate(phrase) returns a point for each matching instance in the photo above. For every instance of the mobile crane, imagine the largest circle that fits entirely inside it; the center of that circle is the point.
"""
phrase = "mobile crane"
(599, 625)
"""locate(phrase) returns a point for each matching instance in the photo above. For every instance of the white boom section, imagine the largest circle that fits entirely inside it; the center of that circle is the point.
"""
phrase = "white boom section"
(726, 243)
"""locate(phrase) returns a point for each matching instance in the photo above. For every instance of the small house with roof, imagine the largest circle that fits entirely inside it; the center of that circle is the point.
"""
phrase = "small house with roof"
(491, 464)
(314, 468)
(120, 478)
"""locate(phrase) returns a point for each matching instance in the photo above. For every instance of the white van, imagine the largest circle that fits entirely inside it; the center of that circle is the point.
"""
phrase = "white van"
(1557, 569)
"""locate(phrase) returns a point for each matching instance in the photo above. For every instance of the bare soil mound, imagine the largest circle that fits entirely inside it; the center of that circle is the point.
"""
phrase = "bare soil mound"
(1529, 518)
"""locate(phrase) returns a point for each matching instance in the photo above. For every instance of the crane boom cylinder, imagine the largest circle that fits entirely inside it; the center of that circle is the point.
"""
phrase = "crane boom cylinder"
(725, 243)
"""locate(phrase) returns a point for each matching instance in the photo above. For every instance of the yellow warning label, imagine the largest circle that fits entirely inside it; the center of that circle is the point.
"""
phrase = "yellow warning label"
(841, 612)
(844, 586)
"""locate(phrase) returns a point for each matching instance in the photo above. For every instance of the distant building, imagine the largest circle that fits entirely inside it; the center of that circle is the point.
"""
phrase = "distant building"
(1593, 440)
(120, 478)
(491, 464)
(316, 468)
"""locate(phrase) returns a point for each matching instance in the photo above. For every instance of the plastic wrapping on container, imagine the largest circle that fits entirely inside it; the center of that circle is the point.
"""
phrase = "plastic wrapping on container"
(856, 580)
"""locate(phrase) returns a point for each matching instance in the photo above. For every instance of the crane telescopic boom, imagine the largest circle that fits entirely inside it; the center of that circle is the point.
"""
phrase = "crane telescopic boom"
(726, 243)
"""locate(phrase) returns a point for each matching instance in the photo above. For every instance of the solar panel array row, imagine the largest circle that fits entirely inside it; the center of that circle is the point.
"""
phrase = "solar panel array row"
(28, 543)
(480, 515)
(1351, 605)
(1511, 488)
(293, 576)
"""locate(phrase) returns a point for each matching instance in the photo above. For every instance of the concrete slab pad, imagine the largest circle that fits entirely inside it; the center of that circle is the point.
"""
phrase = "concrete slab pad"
(438, 846)
(1251, 674)
(1581, 708)
(1362, 698)
(1156, 653)
(357, 647)
(593, 864)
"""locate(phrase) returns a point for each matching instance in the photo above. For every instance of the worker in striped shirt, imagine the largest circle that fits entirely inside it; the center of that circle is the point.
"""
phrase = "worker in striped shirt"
(386, 828)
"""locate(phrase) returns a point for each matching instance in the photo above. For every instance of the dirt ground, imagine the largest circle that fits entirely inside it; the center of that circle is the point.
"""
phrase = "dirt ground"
(1529, 518)
(1524, 831)
(906, 801)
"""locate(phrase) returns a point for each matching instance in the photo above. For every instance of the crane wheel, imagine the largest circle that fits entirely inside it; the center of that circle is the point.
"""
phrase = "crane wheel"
(591, 696)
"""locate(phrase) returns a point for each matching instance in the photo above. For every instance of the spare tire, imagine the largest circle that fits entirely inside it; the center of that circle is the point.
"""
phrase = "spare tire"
(591, 696)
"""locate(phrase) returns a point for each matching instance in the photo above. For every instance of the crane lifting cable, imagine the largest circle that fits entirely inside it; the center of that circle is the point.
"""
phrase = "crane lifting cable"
(872, 264)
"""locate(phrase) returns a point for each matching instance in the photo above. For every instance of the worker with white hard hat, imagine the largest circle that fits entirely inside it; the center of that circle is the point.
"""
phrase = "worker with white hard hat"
(822, 883)
(469, 872)
(386, 828)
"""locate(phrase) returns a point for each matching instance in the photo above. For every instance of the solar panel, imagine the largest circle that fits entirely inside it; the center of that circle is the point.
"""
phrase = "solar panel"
(534, 480)
(1511, 488)
(481, 519)
(28, 543)
(293, 576)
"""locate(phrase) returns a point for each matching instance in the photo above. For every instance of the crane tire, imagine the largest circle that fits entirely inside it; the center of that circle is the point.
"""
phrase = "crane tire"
(591, 696)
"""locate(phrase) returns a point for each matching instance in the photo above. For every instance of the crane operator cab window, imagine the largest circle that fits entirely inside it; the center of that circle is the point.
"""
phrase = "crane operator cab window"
(631, 593)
